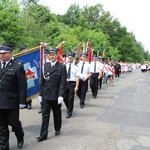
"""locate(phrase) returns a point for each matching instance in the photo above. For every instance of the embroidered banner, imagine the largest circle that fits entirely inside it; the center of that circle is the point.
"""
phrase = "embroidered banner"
(31, 61)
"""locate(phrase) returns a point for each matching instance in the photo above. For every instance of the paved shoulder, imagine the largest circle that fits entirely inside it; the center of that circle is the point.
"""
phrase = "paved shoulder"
(117, 119)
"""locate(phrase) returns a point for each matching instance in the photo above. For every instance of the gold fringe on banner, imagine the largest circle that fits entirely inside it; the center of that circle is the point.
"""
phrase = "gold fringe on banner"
(26, 52)
(61, 44)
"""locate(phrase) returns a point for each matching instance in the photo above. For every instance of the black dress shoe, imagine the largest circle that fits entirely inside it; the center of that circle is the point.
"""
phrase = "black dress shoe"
(40, 139)
(40, 111)
(57, 133)
(81, 106)
(68, 116)
(94, 97)
(20, 143)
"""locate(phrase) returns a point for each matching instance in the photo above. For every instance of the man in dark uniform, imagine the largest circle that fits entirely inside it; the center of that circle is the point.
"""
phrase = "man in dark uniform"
(117, 69)
(99, 59)
(13, 89)
(52, 90)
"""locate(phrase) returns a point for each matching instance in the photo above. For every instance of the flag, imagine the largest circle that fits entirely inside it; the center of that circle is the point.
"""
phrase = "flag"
(60, 52)
(89, 50)
(31, 62)
(78, 50)
(90, 55)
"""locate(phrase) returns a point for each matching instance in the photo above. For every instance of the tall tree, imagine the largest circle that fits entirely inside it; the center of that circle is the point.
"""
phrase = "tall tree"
(10, 22)
(72, 15)
(92, 14)
(28, 2)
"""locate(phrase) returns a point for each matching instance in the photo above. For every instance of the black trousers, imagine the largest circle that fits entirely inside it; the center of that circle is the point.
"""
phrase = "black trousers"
(9, 117)
(82, 89)
(94, 84)
(47, 106)
(117, 73)
(100, 82)
(69, 96)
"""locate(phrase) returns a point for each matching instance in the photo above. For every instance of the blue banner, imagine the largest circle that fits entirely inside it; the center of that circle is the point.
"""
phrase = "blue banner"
(31, 63)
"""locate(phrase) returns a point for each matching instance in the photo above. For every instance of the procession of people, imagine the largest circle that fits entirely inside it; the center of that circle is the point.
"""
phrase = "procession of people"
(60, 82)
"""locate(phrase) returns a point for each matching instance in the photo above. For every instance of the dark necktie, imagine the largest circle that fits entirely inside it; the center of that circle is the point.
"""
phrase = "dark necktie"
(69, 72)
(95, 67)
(52, 65)
(82, 67)
(4, 64)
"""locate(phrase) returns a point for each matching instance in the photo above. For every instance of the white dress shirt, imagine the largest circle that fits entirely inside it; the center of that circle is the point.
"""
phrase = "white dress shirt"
(99, 67)
(53, 63)
(73, 72)
(5, 64)
(86, 70)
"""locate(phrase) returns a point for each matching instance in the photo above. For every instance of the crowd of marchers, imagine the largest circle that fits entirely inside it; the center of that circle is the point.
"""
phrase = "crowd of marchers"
(59, 83)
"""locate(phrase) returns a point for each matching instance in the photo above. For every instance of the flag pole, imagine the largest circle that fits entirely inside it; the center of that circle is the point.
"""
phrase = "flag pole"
(77, 47)
(25, 52)
(103, 54)
(60, 52)
(87, 45)
(60, 44)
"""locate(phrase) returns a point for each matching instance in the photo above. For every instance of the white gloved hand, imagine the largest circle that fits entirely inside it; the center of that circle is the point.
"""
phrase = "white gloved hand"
(40, 99)
(22, 106)
(60, 99)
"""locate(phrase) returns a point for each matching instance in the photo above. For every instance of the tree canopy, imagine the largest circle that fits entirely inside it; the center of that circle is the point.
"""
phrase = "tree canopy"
(28, 23)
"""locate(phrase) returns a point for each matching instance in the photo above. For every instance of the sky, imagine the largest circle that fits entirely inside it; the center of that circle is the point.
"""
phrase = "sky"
(133, 14)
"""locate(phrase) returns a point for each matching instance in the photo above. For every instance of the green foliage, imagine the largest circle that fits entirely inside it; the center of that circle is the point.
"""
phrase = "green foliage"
(10, 22)
(72, 15)
(30, 23)
(92, 14)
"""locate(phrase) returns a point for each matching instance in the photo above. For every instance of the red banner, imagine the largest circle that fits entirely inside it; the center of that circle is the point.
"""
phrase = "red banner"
(89, 51)
(60, 52)
(90, 55)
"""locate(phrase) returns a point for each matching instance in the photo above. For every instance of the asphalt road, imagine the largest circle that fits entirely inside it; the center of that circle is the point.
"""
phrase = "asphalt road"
(119, 119)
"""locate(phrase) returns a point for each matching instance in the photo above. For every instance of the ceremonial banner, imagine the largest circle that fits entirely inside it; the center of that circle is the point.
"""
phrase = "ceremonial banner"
(78, 50)
(90, 55)
(60, 52)
(89, 50)
(31, 61)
